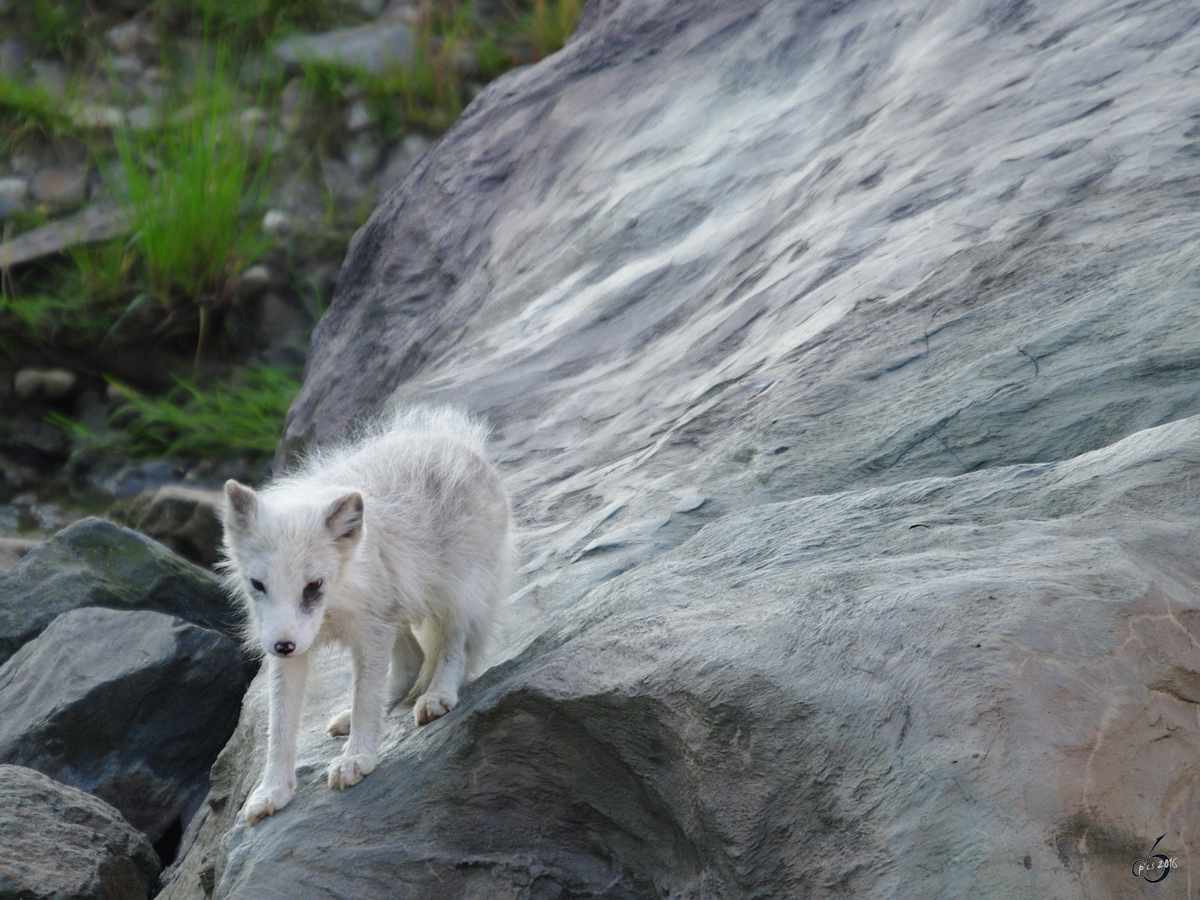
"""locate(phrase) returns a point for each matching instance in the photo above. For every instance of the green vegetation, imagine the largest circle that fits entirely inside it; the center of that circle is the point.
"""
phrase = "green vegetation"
(194, 190)
(60, 28)
(252, 24)
(550, 23)
(430, 93)
(49, 321)
(243, 413)
(195, 173)
(27, 111)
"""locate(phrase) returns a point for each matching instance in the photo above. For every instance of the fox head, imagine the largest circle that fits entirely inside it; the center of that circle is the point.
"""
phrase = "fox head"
(284, 557)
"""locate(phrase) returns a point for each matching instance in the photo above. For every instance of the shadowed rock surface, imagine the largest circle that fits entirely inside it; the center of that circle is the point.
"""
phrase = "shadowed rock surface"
(96, 563)
(130, 706)
(62, 844)
(184, 519)
(829, 348)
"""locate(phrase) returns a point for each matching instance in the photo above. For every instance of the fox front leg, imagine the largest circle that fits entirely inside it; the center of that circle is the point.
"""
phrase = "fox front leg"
(274, 792)
(367, 709)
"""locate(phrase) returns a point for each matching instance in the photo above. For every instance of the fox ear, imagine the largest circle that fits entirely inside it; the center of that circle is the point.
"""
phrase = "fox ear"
(242, 504)
(344, 519)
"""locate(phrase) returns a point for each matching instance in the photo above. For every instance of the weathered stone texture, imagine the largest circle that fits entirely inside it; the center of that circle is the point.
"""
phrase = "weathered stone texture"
(842, 359)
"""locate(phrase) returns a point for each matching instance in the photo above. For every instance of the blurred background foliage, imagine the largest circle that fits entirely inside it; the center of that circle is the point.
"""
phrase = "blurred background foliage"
(220, 154)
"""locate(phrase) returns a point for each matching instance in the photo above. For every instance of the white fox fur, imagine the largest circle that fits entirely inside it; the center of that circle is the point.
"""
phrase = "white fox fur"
(397, 545)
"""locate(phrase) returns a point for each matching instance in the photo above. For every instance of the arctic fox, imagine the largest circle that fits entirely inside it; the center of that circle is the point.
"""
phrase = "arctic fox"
(398, 546)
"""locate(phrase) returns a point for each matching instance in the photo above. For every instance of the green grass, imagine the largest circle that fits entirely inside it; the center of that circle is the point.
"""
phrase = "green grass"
(430, 93)
(100, 274)
(195, 185)
(252, 24)
(45, 321)
(58, 27)
(195, 190)
(92, 290)
(549, 23)
(244, 413)
(427, 95)
(29, 110)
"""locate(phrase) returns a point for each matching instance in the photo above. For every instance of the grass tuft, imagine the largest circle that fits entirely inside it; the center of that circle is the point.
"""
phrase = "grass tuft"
(189, 189)
(29, 110)
(244, 413)
(195, 190)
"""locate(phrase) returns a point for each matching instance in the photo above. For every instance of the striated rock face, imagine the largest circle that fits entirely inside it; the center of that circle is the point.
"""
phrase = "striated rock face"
(62, 844)
(831, 349)
(938, 688)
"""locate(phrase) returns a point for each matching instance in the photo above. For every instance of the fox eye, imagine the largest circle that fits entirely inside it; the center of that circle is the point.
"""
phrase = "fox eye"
(258, 585)
(312, 593)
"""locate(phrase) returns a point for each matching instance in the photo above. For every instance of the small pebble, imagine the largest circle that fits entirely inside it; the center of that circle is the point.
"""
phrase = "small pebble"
(46, 384)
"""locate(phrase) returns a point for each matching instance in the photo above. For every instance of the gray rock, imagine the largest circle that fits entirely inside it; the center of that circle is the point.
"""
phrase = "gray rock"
(372, 48)
(51, 75)
(252, 284)
(96, 117)
(401, 159)
(276, 222)
(132, 707)
(142, 118)
(184, 519)
(129, 66)
(99, 222)
(133, 478)
(62, 844)
(14, 192)
(844, 690)
(358, 116)
(13, 53)
(129, 37)
(13, 549)
(65, 186)
(829, 348)
(43, 384)
(96, 563)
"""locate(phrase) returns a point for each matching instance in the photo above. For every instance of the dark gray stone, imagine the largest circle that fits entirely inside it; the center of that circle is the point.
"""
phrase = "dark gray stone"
(186, 520)
(99, 222)
(842, 358)
(130, 706)
(372, 48)
(58, 843)
(97, 563)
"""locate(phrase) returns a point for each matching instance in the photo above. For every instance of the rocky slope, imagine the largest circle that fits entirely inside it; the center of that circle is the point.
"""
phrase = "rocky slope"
(829, 349)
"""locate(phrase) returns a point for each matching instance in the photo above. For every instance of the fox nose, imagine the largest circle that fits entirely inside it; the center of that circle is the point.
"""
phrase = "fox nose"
(285, 648)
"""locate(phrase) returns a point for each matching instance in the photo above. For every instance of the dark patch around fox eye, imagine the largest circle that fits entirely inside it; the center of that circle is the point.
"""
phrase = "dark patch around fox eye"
(312, 595)
(258, 585)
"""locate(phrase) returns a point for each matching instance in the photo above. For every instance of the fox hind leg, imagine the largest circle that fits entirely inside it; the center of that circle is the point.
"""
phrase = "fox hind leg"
(339, 725)
(407, 661)
(407, 658)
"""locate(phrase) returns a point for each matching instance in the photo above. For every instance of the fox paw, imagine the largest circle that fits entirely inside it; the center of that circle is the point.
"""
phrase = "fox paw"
(266, 801)
(347, 771)
(339, 724)
(433, 705)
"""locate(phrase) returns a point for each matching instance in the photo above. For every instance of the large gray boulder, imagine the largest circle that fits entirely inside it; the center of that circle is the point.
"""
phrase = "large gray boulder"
(974, 686)
(842, 362)
(130, 706)
(58, 843)
(97, 563)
